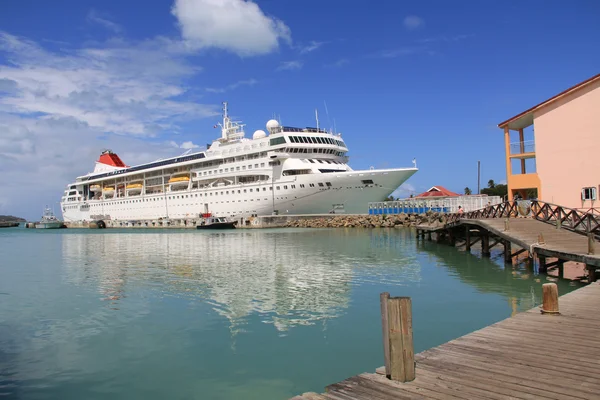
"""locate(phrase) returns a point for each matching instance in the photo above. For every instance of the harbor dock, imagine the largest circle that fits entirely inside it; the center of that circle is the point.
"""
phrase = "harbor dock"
(544, 230)
(532, 355)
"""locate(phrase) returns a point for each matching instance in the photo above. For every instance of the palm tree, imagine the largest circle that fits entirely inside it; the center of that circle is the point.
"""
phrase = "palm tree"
(468, 191)
(491, 184)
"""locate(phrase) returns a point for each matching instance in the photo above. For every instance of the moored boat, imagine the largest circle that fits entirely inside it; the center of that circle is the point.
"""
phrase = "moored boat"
(49, 221)
(211, 222)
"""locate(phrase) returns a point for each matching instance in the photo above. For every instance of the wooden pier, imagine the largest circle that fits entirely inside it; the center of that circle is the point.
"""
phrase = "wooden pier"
(546, 231)
(532, 355)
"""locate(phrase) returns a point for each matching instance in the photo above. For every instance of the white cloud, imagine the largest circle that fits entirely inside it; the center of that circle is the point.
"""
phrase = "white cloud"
(239, 26)
(412, 22)
(119, 88)
(311, 46)
(290, 65)
(100, 19)
(59, 109)
(247, 82)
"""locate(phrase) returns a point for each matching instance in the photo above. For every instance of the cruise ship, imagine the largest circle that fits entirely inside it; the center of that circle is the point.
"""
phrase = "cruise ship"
(283, 170)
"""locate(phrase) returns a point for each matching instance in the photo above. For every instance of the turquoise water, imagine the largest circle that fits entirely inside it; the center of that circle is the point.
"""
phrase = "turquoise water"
(253, 314)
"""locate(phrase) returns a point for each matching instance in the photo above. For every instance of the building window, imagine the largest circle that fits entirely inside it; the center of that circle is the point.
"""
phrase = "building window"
(302, 185)
(320, 184)
(588, 193)
(285, 187)
(312, 185)
(328, 184)
(293, 186)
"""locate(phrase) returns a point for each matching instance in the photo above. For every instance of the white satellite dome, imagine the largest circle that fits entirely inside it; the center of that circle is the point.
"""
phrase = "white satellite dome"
(259, 134)
(272, 124)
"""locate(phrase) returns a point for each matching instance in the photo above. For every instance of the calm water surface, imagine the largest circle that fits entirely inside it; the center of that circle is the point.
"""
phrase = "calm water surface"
(253, 314)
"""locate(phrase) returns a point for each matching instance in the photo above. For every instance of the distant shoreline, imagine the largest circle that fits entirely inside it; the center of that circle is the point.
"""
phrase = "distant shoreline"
(10, 218)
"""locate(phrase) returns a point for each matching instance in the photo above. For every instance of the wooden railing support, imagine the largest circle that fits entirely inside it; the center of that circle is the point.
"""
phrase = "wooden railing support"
(401, 349)
(485, 245)
(506, 224)
(383, 300)
(507, 252)
(467, 238)
(591, 244)
(549, 298)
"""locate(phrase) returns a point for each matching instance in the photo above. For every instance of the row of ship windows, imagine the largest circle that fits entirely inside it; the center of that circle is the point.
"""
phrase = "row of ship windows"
(316, 140)
(243, 168)
(222, 192)
(308, 151)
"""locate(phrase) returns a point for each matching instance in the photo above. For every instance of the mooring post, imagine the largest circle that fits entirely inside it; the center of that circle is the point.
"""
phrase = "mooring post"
(507, 252)
(451, 238)
(549, 298)
(485, 245)
(591, 244)
(401, 350)
(429, 235)
(383, 300)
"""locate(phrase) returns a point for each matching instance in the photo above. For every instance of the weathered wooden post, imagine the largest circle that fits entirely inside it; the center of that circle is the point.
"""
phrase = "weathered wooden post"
(485, 245)
(549, 298)
(559, 222)
(542, 261)
(468, 239)
(591, 244)
(383, 300)
(506, 224)
(541, 239)
(507, 252)
(400, 336)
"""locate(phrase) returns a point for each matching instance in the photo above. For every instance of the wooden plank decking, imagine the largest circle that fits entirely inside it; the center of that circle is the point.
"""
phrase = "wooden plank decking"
(528, 356)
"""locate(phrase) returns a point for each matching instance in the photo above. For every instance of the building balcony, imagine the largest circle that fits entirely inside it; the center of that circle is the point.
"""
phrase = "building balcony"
(525, 149)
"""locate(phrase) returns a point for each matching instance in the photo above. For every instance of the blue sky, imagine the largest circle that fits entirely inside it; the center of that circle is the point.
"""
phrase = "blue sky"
(426, 79)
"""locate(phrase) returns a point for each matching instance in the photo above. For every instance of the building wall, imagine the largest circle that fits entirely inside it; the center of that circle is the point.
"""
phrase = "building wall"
(567, 141)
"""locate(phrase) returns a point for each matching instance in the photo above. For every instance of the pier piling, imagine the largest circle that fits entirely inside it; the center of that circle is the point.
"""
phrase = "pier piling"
(400, 337)
(383, 299)
(549, 298)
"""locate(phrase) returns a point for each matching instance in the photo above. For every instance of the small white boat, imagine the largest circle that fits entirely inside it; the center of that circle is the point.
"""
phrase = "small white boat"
(49, 221)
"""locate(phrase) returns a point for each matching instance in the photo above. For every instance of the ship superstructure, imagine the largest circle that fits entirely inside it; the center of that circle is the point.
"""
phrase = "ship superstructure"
(283, 170)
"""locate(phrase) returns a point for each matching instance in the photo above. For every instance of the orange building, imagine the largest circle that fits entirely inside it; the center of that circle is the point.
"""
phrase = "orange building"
(559, 159)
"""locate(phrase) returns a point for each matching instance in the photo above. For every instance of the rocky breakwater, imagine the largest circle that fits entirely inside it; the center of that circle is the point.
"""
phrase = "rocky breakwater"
(367, 221)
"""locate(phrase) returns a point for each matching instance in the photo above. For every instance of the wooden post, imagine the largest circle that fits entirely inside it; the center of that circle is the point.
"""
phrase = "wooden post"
(402, 353)
(543, 268)
(507, 252)
(485, 245)
(561, 269)
(541, 239)
(451, 238)
(549, 298)
(591, 244)
(506, 224)
(468, 239)
(591, 273)
(429, 235)
(383, 300)
(558, 222)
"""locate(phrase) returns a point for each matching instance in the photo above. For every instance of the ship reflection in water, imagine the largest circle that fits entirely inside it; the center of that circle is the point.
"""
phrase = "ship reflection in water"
(288, 278)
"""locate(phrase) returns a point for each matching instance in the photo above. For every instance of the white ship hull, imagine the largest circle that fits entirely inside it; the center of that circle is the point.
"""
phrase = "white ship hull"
(347, 194)
(290, 171)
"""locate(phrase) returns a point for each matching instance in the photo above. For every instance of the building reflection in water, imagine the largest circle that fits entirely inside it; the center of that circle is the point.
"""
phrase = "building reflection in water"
(287, 277)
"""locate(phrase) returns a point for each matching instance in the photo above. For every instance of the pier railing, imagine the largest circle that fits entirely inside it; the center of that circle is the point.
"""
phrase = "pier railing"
(584, 222)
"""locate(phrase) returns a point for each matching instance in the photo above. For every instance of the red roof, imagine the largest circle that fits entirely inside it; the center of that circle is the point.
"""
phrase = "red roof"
(438, 191)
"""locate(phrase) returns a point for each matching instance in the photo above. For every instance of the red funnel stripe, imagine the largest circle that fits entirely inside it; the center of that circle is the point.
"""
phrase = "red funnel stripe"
(111, 159)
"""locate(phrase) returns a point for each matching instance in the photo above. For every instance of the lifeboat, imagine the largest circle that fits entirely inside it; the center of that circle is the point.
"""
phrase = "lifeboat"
(95, 188)
(179, 181)
(134, 188)
(109, 188)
